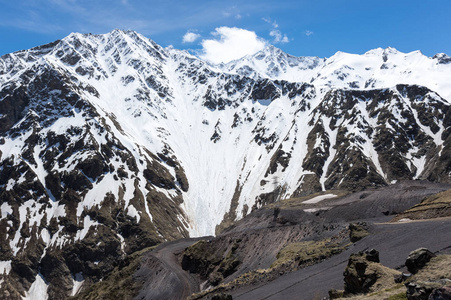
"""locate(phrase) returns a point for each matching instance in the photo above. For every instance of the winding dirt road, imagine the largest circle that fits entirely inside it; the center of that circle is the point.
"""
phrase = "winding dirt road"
(163, 275)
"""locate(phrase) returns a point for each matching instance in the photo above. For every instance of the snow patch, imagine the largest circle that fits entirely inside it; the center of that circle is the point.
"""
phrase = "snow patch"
(403, 220)
(311, 210)
(121, 238)
(38, 290)
(319, 198)
(132, 212)
(78, 281)
(6, 210)
(87, 223)
(5, 267)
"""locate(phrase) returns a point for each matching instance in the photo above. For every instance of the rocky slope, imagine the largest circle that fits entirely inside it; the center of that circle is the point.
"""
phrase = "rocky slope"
(111, 143)
(435, 206)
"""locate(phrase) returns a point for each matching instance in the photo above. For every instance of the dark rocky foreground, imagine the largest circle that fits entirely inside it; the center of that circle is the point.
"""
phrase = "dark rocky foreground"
(241, 261)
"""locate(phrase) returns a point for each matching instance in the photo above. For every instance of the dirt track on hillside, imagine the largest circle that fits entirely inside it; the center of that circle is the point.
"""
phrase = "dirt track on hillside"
(163, 275)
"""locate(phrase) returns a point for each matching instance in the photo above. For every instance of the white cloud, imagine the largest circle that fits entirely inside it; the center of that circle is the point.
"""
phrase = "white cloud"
(232, 12)
(231, 43)
(269, 21)
(276, 33)
(308, 33)
(190, 37)
(278, 37)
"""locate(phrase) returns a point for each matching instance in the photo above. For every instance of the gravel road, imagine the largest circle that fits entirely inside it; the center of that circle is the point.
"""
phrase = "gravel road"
(163, 275)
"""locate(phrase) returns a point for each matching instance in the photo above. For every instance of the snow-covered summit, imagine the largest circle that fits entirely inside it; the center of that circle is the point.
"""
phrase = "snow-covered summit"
(377, 68)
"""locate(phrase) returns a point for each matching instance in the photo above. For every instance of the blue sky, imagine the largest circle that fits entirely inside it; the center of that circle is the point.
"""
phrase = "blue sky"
(301, 28)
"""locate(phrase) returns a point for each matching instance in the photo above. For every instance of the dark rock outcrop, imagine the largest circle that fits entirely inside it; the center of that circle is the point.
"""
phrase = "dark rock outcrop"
(428, 290)
(222, 297)
(372, 255)
(357, 275)
(443, 293)
(417, 259)
(363, 271)
(357, 231)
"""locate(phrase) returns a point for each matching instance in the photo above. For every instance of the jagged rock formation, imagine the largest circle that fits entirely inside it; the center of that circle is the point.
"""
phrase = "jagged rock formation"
(363, 271)
(113, 136)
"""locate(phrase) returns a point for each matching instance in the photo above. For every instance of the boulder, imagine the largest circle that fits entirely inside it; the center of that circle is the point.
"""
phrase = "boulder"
(421, 290)
(443, 293)
(365, 274)
(402, 277)
(222, 296)
(417, 259)
(336, 294)
(357, 276)
(357, 231)
(372, 255)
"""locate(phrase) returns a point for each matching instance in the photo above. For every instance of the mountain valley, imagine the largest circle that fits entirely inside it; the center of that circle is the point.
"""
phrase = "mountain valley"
(111, 145)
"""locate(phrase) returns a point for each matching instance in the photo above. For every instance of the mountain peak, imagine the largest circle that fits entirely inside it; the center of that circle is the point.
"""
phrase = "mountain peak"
(270, 49)
(442, 58)
(391, 50)
(116, 36)
(376, 51)
(381, 51)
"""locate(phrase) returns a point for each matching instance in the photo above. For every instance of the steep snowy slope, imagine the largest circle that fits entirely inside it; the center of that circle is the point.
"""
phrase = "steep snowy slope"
(111, 143)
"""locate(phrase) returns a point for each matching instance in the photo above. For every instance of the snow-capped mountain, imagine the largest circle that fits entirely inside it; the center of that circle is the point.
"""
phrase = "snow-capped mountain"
(378, 68)
(111, 143)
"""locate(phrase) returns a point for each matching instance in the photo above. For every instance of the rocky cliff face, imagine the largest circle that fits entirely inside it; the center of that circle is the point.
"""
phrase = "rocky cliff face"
(111, 143)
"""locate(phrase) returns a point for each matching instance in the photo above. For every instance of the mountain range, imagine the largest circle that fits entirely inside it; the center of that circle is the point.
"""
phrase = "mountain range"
(111, 143)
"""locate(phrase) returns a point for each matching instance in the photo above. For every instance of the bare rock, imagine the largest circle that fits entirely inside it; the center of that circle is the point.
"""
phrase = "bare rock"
(443, 293)
(336, 294)
(417, 259)
(372, 255)
(357, 231)
(421, 290)
(365, 274)
(358, 277)
(222, 296)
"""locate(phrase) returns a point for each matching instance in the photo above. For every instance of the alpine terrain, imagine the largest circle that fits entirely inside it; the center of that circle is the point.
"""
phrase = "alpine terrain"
(110, 144)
